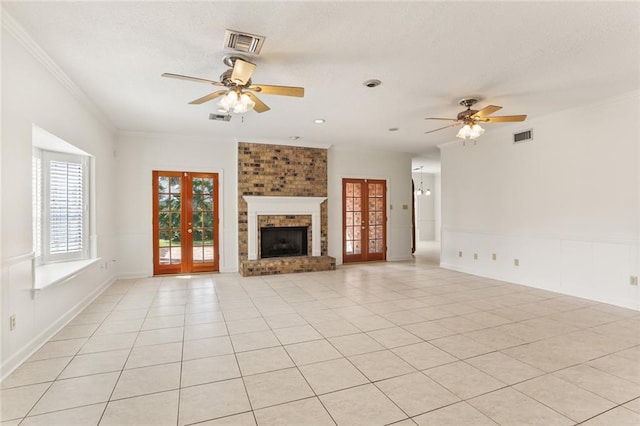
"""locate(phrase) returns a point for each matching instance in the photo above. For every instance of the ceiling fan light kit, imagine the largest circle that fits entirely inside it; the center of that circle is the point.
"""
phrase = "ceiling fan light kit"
(470, 131)
(233, 102)
(239, 97)
(470, 118)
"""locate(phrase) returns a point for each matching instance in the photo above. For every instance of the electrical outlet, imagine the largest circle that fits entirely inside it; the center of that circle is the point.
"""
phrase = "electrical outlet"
(459, 254)
(475, 256)
(12, 322)
(633, 280)
(494, 257)
(516, 262)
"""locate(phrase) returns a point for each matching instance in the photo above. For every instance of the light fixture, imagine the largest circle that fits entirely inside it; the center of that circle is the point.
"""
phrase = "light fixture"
(236, 102)
(420, 191)
(319, 120)
(470, 131)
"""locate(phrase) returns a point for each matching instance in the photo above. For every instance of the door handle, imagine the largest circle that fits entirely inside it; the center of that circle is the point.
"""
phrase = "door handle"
(189, 231)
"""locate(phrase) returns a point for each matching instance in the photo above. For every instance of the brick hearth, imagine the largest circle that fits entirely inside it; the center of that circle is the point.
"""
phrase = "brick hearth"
(287, 265)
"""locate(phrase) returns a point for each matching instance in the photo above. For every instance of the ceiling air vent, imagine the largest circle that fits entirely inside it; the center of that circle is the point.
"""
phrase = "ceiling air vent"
(243, 42)
(527, 135)
(219, 117)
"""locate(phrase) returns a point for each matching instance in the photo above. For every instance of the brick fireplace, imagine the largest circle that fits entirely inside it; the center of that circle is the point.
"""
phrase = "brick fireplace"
(282, 186)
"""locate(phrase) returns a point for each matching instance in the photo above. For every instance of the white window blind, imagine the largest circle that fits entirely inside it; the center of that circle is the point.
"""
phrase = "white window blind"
(66, 207)
(64, 218)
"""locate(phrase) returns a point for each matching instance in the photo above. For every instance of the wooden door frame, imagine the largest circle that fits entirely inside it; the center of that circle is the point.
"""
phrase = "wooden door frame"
(364, 257)
(186, 265)
(216, 225)
(159, 269)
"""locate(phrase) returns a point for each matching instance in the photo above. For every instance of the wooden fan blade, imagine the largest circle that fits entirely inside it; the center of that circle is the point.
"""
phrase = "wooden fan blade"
(488, 110)
(438, 118)
(196, 79)
(260, 106)
(445, 127)
(278, 90)
(242, 71)
(208, 97)
(505, 118)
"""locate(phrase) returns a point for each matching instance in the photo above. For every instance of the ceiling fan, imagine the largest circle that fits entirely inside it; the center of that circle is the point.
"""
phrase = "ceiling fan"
(470, 118)
(239, 97)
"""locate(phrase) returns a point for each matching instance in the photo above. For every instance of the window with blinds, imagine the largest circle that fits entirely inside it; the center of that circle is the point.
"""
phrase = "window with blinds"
(60, 198)
(66, 207)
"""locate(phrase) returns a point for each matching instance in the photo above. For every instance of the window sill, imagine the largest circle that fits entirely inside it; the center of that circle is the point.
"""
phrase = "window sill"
(55, 273)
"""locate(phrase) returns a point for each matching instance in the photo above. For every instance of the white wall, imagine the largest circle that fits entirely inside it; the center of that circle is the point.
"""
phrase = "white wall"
(565, 204)
(137, 155)
(32, 95)
(395, 168)
(425, 207)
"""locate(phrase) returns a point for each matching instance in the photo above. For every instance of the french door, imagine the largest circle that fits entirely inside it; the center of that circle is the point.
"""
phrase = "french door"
(364, 217)
(185, 222)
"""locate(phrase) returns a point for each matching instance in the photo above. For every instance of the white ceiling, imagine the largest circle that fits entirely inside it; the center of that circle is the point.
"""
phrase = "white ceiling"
(530, 57)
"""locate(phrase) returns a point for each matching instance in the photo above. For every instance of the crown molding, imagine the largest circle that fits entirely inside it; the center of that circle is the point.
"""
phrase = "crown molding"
(20, 34)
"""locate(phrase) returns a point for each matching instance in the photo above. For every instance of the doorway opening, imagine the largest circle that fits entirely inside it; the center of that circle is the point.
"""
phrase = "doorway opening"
(426, 216)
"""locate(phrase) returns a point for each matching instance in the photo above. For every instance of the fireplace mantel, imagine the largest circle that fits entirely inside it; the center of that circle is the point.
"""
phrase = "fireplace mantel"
(267, 205)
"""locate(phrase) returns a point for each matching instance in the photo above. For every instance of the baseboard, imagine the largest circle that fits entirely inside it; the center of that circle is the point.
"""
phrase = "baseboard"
(131, 276)
(608, 300)
(37, 342)
(136, 275)
(399, 259)
(463, 270)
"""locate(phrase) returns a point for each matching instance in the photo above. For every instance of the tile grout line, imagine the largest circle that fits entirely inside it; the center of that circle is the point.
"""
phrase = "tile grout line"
(346, 319)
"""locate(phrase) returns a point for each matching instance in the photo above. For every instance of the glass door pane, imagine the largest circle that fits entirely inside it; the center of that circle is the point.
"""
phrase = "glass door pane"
(364, 220)
(203, 220)
(376, 209)
(169, 219)
(185, 222)
(353, 218)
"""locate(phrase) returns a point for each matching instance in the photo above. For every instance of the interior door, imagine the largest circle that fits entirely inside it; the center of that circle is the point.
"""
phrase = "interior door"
(185, 222)
(365, 220)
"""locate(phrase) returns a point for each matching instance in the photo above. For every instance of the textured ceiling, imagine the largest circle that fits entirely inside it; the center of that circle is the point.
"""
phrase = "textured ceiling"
(530, 57)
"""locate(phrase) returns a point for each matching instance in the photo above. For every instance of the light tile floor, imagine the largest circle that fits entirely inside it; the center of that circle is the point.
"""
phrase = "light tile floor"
(384, 343)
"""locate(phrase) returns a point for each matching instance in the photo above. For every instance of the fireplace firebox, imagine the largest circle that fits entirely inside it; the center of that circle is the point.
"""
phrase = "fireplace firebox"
(283, 241)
